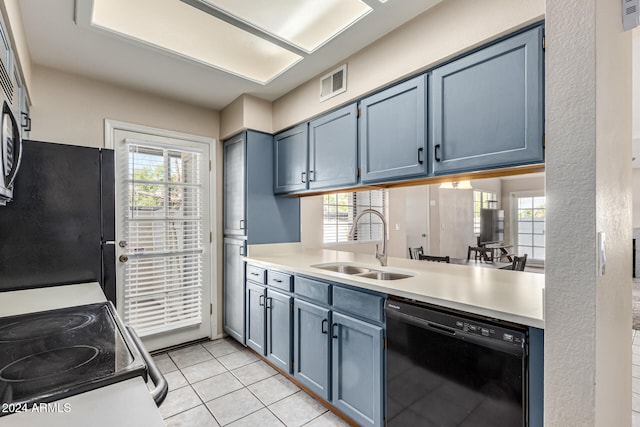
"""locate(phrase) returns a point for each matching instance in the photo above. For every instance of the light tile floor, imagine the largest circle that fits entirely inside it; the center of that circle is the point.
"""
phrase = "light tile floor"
(219, 383)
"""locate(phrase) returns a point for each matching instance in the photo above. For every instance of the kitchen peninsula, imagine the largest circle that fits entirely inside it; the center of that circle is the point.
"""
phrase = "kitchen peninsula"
(350, 331)
(500, 294)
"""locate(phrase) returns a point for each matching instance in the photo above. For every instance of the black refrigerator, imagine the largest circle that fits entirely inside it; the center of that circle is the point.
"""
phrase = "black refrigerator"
(60, 226)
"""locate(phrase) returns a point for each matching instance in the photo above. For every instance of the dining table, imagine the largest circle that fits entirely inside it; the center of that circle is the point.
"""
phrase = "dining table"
(480, 263)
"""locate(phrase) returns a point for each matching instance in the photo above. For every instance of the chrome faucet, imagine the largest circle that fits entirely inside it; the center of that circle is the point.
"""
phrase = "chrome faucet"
(382, 257)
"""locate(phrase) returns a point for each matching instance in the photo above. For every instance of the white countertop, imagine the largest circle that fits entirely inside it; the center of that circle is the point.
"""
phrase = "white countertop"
(51, 298)
(123, 404)
(514, 296)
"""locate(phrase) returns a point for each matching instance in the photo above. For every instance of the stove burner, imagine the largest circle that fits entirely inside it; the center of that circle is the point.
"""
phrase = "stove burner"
(42, 326)
(48, 363)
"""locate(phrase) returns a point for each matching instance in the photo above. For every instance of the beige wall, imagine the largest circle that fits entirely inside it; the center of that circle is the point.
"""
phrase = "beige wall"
(246, 112)
(71, 109)
(450, 28)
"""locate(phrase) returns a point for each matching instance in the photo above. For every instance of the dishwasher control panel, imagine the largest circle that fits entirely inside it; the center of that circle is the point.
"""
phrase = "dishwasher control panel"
(490, 331)
(452, 322)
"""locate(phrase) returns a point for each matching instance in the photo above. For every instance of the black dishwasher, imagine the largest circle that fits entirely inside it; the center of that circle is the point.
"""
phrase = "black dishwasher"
(449, 369)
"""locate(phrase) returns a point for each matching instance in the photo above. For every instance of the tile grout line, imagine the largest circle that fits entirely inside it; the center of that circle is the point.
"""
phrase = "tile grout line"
(234, 375)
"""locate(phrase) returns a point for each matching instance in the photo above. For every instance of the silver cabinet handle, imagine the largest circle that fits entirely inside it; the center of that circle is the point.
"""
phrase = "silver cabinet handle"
(242, 251)
(303, 176)
(242, 224)
(312, 176)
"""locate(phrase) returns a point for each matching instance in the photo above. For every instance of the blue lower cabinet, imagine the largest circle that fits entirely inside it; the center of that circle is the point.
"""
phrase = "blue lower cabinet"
(312, 350)
(255, 298)
(357, 357)
(279, 326)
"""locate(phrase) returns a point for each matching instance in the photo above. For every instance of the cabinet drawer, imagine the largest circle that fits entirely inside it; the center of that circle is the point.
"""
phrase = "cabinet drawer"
(255, 274)
(359, 303)
(280, 280)
(313, 290)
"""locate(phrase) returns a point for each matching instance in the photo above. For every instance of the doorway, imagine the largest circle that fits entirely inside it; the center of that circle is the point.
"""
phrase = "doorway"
(163, 234)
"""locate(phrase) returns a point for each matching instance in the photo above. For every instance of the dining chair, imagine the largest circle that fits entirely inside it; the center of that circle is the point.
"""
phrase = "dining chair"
(414, 253)
(434, 258)
(518, 264)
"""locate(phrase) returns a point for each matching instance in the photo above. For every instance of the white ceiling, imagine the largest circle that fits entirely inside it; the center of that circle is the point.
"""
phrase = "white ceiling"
(55, 41)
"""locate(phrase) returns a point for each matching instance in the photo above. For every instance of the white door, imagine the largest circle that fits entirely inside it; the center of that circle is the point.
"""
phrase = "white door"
(417, 217)
(163, 235)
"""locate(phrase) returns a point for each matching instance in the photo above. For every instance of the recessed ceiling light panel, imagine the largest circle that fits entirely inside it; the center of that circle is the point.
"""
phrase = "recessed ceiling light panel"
(180, 29)
(306, 24)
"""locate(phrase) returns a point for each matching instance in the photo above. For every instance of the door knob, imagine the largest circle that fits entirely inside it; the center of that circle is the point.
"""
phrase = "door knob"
(122, 243)
(123, 258)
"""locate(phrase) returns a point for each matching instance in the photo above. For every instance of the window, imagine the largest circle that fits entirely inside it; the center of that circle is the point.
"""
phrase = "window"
(529, 227)
(482, 200)
(340, 209)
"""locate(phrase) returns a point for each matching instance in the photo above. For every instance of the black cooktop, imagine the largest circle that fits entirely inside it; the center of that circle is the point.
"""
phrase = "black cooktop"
(49, 355)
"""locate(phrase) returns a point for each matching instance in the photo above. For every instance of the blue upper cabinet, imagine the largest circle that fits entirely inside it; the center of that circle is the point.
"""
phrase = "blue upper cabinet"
(235, 185)
(393, 132)
(290, 160)
(333, 149)
(488, 107)
(250, 208)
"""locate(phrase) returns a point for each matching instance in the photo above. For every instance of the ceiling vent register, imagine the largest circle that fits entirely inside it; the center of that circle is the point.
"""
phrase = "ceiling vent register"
(333, 83)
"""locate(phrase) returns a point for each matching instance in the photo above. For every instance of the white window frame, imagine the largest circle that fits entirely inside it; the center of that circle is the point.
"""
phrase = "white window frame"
(353, 208)
(513, 223)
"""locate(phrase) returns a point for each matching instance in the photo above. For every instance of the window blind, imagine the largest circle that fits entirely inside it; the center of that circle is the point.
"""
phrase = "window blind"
(163, 208)
(340, 209)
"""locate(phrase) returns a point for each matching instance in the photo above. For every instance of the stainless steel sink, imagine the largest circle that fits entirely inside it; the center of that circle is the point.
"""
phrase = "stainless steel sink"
(384, 275)
(344, 268)
(359, 271)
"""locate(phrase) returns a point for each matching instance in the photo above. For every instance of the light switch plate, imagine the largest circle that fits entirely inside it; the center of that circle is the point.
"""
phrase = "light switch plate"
(602, 255)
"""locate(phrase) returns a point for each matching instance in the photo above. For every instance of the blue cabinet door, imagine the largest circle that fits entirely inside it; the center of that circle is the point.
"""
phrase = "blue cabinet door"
(311, 347)
(290, 160)
(235, 186)
(279, 327)
(234, 305)
(256, 298)
(488, 107)
(333, 149)
(357, 357)
(269, 219)
(393, 132)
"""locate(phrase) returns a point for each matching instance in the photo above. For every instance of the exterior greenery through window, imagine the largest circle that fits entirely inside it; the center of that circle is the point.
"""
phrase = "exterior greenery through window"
(482, 200)
(340, 209)
(530, 214)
